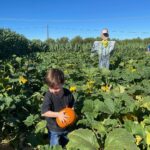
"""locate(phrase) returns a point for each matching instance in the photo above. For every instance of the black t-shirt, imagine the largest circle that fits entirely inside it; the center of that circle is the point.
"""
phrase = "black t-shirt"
(56, 103)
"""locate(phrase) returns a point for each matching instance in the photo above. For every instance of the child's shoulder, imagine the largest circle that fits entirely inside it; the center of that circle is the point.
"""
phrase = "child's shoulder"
(47, 93)
(67, 91)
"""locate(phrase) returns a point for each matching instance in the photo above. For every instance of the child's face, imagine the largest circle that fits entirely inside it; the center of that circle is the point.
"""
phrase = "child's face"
(56, 89)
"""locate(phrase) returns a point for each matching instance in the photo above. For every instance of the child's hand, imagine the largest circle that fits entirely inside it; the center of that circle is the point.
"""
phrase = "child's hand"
(62, 116)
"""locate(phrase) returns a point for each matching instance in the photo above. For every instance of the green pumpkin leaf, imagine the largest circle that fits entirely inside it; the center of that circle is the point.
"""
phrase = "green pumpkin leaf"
(41, 127)
(82, 139)
(120, 139)
(30, 120)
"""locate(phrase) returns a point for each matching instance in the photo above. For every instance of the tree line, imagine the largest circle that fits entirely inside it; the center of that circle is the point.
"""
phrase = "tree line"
(14, 43)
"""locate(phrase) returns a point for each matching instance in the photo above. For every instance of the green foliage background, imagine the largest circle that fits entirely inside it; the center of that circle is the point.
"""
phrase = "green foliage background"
(109, 103)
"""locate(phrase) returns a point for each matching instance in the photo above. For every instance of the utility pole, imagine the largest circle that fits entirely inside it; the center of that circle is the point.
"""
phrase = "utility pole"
(47, 30)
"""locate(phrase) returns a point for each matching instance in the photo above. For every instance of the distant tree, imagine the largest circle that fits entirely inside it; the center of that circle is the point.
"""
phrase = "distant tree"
(63, 40)
(89, 40)
(38, 45)
(50, 41)
(12, 43)
(98, 39)
(147, 40)
(76, 40)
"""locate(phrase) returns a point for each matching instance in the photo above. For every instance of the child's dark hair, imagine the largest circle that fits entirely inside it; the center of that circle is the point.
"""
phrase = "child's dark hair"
(54, 77)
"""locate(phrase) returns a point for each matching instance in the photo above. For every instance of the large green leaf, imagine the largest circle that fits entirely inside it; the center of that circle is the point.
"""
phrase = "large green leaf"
(82, 139)
(99, 127)
(110, 105)
(107, 106)
(146, 103)
(120, 139)
(41, 127)
(134, 128)
(91, 108)
(105, 71)
(30, 120)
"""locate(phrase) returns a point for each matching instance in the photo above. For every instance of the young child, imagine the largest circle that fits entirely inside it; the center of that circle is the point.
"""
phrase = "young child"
(56, 98)
(103, 48)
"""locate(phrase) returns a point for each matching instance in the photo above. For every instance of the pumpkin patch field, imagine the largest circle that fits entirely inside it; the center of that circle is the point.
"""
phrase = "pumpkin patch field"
(112, 106)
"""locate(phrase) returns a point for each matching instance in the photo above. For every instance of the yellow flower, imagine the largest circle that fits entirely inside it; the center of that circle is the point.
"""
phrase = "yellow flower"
(148, 138)
(138, 139)
(90, 84)
(105, 43)
(22, 80)
(146, 105)
(132, 69)
(7, 77)
(70, 65)
(8, 88)
(105, 88)
(73, 88)
(66, 72)
(139, 97)
(89, 91)
(130, 117)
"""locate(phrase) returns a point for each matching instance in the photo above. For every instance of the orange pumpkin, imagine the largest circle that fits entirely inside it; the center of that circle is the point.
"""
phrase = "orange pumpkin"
(70, 120)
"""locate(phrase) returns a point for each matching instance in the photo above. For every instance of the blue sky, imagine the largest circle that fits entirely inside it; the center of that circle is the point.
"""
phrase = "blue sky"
(123, 18)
